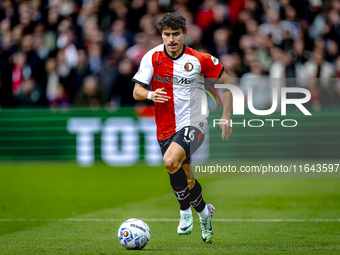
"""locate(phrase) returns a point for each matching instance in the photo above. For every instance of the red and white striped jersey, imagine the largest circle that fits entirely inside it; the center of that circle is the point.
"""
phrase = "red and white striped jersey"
(182, 78)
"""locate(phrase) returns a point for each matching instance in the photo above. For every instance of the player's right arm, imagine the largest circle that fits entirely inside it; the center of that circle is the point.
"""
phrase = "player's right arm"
(141, 93)
(143, 78)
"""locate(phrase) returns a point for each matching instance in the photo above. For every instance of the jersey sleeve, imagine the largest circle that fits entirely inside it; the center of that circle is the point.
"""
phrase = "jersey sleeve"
(211, 67)
(145, 71)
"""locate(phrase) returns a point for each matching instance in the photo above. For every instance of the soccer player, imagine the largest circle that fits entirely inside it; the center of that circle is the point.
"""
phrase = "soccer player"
(176, 73)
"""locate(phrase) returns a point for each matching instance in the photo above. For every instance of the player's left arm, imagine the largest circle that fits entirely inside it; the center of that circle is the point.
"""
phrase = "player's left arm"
(227, 99)
(212, 67)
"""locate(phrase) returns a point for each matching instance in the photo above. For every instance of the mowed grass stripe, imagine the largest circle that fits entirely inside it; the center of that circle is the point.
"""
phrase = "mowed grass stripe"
(102, 192)
(229, 238)
(176, 220)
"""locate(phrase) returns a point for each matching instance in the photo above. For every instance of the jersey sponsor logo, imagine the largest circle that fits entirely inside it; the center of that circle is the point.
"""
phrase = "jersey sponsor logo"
(182, 80)
(158, 63)
(161, 79)
(214, 60)
(188, 66)
(175, 80)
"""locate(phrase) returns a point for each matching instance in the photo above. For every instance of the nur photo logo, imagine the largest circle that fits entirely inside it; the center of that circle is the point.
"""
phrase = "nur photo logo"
(239, 102)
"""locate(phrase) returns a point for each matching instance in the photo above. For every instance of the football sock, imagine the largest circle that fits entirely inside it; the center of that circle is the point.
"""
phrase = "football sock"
(187, 211)
(204, 213)
(180, 186)
(196, 198)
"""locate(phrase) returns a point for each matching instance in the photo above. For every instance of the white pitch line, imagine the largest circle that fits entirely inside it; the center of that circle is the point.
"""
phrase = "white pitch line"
(172, 219)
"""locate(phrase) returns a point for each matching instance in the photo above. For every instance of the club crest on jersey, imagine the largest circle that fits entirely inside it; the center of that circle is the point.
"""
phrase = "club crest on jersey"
(188, 66)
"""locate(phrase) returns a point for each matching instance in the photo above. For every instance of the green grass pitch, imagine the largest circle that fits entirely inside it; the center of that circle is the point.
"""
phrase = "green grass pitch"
(37, 201)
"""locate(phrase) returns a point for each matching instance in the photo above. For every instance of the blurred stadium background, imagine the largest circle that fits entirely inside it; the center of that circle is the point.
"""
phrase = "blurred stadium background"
(75, 144)
(84, 53)
(58, 55)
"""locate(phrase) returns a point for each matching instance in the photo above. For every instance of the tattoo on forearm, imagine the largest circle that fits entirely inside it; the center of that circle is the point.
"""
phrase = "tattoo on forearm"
(225, 90)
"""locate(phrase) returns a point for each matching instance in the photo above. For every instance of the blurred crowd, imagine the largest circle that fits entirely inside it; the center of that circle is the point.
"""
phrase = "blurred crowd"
(60, 53)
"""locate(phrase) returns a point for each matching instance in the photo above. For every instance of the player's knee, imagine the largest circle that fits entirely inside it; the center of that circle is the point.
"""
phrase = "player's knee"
(191, 182)
(171, 165)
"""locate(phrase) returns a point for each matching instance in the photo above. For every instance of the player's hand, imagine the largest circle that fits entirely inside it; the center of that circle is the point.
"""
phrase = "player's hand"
(159, 96)
(226, 129)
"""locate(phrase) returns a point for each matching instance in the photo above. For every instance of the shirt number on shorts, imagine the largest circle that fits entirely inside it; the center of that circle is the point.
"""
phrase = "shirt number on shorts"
(191, 135)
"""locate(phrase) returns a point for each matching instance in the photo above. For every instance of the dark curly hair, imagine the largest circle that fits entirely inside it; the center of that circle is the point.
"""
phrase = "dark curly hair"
(172, 20)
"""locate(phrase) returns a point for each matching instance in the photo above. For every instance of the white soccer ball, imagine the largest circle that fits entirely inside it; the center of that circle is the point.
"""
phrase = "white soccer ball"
(134, 234)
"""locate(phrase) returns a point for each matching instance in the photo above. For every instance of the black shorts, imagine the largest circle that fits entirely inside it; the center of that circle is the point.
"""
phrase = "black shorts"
(189, 138)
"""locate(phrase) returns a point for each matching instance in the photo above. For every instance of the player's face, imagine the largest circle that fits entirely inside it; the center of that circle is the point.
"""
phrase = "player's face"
(173, 40)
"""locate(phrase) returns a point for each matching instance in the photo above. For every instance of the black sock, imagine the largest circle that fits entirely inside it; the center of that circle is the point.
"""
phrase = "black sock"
(180, 186)
(196, 198)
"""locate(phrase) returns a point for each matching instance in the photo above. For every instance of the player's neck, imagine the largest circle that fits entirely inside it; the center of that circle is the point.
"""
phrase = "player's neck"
(175, 55)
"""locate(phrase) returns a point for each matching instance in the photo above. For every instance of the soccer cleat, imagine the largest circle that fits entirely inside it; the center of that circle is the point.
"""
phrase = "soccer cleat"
(185, 224)
(206, 227)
